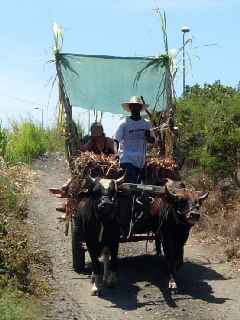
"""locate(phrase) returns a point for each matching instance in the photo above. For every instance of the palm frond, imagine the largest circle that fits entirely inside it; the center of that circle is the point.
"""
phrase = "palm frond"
(162, 61)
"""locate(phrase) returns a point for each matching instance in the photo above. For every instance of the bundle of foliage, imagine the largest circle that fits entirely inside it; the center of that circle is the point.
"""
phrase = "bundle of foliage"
(209, 122)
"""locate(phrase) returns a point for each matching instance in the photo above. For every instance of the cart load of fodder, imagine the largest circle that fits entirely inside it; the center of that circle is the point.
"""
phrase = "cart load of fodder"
(101, 165)
(158, 168)
(98, 165)
(107, 166)
(83, 165)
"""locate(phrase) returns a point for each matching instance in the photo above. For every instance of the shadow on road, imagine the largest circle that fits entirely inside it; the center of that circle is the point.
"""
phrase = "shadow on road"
(193, 281)
(151, 271)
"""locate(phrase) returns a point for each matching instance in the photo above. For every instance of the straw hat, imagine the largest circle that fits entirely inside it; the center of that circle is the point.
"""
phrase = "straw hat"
(134, 100)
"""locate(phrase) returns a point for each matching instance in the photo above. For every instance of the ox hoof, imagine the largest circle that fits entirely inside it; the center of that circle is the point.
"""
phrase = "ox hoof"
(112, 280)
(96, 291)
(97, 285)
(92, 279)
(172, 285)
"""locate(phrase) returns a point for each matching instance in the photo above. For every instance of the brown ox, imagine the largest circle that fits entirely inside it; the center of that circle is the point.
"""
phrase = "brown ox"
(175, 213)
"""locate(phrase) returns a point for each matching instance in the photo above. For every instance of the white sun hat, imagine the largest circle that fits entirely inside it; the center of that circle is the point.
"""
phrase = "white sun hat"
(134, 100)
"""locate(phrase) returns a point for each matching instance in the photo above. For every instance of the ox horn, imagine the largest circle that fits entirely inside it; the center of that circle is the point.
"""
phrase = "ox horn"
(121, 179)
(203, 197)
(168, 187)
(91, 179)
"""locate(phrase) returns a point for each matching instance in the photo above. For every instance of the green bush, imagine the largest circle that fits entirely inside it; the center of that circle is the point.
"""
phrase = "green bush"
(26, 141)
(209, 121)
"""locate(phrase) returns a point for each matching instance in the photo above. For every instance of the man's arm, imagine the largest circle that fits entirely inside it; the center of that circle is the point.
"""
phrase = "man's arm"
(149, 134)
(119, 134)
(110, 146)
(86, 147)
(149, 137)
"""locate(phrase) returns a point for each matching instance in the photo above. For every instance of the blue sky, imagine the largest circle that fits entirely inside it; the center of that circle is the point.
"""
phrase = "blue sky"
(115, 27)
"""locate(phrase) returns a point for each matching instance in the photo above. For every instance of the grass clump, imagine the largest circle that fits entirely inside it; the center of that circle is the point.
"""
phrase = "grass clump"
(16, 306)
(26, 141)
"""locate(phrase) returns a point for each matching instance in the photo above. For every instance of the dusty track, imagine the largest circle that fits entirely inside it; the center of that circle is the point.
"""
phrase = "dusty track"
(209, 288)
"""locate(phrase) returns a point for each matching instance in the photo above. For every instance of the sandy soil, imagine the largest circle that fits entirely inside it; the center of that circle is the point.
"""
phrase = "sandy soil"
(210, 290)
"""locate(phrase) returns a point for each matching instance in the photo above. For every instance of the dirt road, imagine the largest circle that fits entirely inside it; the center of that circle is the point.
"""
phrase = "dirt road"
(209, 288)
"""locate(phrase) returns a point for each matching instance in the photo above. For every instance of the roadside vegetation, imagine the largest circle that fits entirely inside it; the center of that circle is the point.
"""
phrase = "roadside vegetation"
(19, 278)
(25, 141)
(209, 121)
(208, 118)
(21, 265)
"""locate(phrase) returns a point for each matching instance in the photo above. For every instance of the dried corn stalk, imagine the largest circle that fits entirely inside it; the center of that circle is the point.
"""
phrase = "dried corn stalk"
(95, 164)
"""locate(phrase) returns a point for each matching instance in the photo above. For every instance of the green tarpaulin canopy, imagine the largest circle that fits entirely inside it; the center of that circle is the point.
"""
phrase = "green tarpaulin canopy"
(103, 82)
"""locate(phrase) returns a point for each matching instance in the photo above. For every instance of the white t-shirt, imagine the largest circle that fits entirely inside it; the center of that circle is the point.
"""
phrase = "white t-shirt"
(132, 142)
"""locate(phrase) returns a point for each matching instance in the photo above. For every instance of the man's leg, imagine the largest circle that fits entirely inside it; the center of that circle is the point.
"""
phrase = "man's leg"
(132, 173)
(126, 201)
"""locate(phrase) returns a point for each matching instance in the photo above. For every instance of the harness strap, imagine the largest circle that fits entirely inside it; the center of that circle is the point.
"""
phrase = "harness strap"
(101, 233)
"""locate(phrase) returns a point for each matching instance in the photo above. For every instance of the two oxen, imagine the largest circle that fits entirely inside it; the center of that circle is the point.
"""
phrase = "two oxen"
(170, 215)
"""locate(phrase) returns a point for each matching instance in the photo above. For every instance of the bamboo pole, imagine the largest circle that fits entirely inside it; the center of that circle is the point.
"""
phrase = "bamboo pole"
(170, 138)
(71, 135)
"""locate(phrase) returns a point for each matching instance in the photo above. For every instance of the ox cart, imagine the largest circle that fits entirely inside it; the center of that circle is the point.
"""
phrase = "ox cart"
(102, 82)
(93, 202)
(156, 170)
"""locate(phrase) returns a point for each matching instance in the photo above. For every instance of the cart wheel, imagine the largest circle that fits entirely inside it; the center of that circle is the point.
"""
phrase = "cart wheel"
(78, 252)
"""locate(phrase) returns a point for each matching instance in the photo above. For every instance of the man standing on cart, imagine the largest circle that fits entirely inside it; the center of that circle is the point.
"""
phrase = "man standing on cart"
(132, 135)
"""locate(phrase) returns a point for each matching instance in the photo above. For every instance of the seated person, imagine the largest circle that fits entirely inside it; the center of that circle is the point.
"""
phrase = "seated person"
(97, 141)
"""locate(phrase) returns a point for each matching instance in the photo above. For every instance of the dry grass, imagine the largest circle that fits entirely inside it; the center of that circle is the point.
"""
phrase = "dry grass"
(221, 213)
(19, 262)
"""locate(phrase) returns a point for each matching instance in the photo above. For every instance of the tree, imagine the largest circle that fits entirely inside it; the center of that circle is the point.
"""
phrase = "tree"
(209, 120)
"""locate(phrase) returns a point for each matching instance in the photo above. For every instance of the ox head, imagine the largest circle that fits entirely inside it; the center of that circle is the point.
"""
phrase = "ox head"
(104, 192)
(186, 203)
